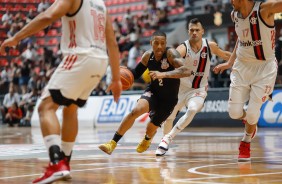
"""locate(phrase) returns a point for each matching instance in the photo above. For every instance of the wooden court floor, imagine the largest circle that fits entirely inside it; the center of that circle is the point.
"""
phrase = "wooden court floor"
(197, 155)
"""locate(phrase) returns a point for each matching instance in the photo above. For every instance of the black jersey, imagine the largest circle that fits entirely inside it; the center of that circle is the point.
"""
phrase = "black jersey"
(166, 88)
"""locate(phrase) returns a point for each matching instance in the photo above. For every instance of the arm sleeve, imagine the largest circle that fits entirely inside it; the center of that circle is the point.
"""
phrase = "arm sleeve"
(139, 70)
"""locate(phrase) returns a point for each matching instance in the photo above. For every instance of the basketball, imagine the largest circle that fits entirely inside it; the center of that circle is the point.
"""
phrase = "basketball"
(126, 78)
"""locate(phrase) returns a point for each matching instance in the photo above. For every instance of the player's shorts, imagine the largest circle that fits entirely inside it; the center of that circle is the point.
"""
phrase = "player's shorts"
(185, 94)
(252, 80)
(160, 108)
(74, 79)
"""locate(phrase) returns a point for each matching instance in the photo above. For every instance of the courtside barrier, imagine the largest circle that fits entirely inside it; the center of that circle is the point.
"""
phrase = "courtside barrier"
(102, 111)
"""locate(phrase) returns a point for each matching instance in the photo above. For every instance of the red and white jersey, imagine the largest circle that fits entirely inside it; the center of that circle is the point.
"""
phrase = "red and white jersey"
(84, 31)
(256, 40)
(200, 64)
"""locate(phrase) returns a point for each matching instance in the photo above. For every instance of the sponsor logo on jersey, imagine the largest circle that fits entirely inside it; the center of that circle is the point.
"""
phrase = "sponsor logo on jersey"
(199, 73)
(253, 20)
(250, 43)
(165, 64)
(203, 54)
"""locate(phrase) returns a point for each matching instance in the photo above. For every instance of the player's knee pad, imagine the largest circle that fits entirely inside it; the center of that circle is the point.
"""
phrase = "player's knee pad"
(235, 111)
(252, 117)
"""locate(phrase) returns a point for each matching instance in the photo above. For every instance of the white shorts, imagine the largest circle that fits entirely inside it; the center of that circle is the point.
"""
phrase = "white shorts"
(185, 94)
(76, 77)
(252, 81)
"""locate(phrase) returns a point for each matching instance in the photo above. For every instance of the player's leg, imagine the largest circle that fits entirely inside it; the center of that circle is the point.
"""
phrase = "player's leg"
(194, 105)
(69, 131)
(168, 124)
(62, 90)
(140, 108)
(158, 115)
(50, 128)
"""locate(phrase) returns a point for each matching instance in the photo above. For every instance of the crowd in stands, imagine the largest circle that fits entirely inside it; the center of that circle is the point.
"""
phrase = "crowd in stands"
(27, 68)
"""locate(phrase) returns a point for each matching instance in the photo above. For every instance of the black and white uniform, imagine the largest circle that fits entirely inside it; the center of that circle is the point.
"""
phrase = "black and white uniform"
(162, 94)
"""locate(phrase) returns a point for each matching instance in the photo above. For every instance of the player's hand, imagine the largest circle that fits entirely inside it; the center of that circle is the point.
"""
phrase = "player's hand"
(116, 88)
(156, 75)
(10, 42)
(221, 68)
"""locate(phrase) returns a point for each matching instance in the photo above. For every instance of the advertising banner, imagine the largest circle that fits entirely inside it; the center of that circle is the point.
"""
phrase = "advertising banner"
(271, 111)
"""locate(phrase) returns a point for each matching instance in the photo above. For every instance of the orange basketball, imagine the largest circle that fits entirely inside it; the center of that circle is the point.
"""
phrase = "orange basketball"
(126, 78)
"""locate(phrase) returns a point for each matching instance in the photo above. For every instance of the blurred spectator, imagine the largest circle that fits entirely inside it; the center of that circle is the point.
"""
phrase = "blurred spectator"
(29, 100)
(162, 17)
(19, 21)
(9, 99)
(30, 53)
(41, 82)
(133, 54)
(127, 15)
(162, 5)
(6, 16)
(32, 82)
(24, 77)
(5, 79)
(13, 30)
(29, 16)
(14, 115)
(42, 6)
(15, 72)
(26, 120)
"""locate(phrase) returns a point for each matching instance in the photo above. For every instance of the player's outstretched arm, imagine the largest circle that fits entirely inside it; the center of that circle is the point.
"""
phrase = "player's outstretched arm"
(175, 59)
(224, 66)
(58, 9)
(215, 49)
(114, 55)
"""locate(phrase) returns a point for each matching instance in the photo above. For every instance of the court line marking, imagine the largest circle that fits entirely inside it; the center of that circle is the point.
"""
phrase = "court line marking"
(218, 176)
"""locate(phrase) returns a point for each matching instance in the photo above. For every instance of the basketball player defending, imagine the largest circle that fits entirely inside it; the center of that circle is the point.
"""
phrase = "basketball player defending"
(87, 35)
(160, 97)
(193, 90)
(255, 67)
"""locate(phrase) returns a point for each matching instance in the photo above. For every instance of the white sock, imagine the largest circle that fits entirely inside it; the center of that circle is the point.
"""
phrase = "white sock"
(51, 140)
(247, 137)
(67, 147)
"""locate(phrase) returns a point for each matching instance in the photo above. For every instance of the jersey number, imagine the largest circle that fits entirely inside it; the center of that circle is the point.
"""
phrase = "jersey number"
(160, 82)
(99, 25)
(245, 32)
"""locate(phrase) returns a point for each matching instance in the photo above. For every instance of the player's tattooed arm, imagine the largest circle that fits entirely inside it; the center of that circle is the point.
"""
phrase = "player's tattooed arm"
(145, 58)
(175, 59)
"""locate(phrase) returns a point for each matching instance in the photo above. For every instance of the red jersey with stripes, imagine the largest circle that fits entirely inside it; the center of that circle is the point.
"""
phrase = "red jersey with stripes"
(84, 31)
(256, 40)
(200, 64)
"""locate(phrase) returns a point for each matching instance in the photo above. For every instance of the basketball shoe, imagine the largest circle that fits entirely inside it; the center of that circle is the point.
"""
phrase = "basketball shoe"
(163, 146)
(54, 172)
(108, 147)
(255, 132)
(143, 145)
(244, 152)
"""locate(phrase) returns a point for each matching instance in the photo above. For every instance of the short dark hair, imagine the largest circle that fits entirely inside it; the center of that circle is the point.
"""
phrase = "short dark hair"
(158, 33)
(194, 21)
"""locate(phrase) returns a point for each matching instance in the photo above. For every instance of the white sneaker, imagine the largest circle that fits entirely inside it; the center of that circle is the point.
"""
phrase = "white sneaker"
(163, 146)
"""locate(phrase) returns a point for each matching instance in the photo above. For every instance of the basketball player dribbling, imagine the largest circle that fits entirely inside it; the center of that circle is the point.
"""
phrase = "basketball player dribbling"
(166, 67)
(87, 36)
(253, 62)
